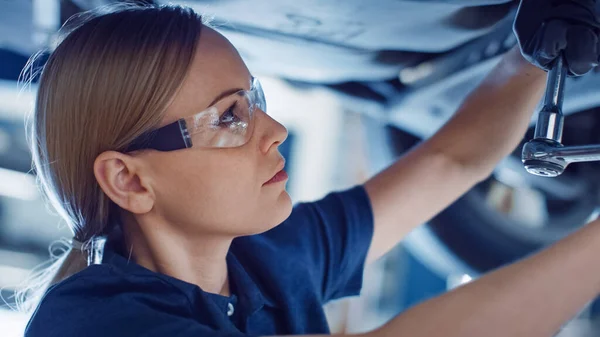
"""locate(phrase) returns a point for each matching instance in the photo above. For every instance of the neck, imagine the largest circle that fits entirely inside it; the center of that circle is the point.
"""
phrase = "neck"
(198, 260)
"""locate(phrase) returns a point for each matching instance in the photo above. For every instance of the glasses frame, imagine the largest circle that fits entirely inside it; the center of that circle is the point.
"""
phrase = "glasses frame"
(176, 135)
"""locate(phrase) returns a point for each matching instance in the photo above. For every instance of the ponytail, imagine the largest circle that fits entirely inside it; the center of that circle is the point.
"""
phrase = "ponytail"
(64, 261)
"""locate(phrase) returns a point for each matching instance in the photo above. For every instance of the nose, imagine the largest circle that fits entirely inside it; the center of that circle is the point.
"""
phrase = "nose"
(270, 132)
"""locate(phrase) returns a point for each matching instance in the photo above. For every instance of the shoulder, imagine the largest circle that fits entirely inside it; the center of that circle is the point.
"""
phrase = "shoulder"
(102, 281)
(98, 300)
(309, 220)
(335, 208)
(316, 232)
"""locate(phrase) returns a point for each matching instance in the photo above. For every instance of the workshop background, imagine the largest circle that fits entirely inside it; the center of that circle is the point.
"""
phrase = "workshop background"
(357, 83)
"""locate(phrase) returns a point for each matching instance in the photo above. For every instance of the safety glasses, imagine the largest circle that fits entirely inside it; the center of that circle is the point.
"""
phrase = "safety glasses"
(227, 123)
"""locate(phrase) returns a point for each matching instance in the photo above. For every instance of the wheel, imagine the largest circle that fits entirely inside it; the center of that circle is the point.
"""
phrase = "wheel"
(487, 231)
(509, 215)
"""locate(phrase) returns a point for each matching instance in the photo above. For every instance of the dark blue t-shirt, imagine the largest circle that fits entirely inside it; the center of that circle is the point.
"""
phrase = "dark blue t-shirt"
(279, 280)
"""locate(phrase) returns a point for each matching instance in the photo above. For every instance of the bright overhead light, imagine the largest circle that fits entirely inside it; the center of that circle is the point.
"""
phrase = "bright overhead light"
(12, 322)
(46, 20)
(465, 279)
(11, 277)
(454, 281)
(18, 185)
(15, 102)
(414, 74)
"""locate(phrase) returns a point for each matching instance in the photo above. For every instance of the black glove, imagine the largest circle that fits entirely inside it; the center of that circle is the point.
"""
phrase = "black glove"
(545, 28)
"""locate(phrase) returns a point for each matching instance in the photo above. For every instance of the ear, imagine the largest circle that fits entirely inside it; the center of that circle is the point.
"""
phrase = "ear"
(120, 177)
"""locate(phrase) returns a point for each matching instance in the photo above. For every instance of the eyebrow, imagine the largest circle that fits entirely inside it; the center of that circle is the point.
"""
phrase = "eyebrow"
(224, 94)
(229, 92)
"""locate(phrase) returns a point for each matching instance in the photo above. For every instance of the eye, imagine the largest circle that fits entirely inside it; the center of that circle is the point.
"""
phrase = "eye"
(229, 116)
(232, 120)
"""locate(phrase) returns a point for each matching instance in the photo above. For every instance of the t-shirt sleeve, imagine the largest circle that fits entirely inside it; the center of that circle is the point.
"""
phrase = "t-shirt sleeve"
(331, 237)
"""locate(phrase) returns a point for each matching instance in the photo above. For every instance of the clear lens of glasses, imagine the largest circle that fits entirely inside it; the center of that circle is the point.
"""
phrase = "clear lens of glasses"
(229, 123)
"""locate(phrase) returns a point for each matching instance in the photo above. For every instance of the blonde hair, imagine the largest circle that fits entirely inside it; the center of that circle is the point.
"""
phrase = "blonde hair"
(109, 79)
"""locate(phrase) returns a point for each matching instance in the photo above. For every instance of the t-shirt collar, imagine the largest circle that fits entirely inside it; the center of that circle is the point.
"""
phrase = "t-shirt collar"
(244, 287)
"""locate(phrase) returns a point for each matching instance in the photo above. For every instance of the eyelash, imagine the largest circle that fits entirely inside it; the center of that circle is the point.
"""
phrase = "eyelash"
(229, 111)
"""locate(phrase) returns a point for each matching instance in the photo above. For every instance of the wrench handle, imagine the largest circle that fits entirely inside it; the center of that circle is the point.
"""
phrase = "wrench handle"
(555, 84)
(550, 119)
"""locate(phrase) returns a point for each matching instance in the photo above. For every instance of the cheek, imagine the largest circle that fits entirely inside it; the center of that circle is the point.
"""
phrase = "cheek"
(234, 202)
(222, 195)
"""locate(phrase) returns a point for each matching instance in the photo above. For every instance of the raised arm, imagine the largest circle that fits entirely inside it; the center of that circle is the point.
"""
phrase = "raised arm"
(487, 127)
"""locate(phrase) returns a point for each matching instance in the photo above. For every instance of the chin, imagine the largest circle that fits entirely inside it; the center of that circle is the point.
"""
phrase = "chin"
(284, 206)
(276, 213)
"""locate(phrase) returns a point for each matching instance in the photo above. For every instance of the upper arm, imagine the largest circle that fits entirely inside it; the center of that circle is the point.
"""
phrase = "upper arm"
(411, 191)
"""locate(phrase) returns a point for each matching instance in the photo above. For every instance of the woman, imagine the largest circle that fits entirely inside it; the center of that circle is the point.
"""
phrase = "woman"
(150, 132)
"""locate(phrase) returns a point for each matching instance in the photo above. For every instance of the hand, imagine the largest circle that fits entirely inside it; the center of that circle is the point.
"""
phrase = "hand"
(547, 28)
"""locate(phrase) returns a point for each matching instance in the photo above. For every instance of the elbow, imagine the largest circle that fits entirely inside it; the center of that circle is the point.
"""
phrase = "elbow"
(477, 169)
(466, 163)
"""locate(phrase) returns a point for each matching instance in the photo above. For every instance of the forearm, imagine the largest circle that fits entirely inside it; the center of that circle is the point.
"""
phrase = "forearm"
(530, 298)
(493, 119)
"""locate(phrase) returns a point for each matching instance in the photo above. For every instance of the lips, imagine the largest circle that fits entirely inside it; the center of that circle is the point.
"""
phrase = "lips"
(280, 175)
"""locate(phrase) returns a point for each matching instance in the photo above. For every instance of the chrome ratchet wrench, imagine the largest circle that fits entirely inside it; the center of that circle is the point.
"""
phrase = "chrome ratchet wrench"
(545, 155)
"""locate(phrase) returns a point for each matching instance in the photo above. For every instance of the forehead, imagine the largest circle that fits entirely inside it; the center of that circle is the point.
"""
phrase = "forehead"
(216, 68)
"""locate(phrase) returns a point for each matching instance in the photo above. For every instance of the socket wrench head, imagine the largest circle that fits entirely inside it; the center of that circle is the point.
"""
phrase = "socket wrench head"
(538, 154)
(539, 160)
